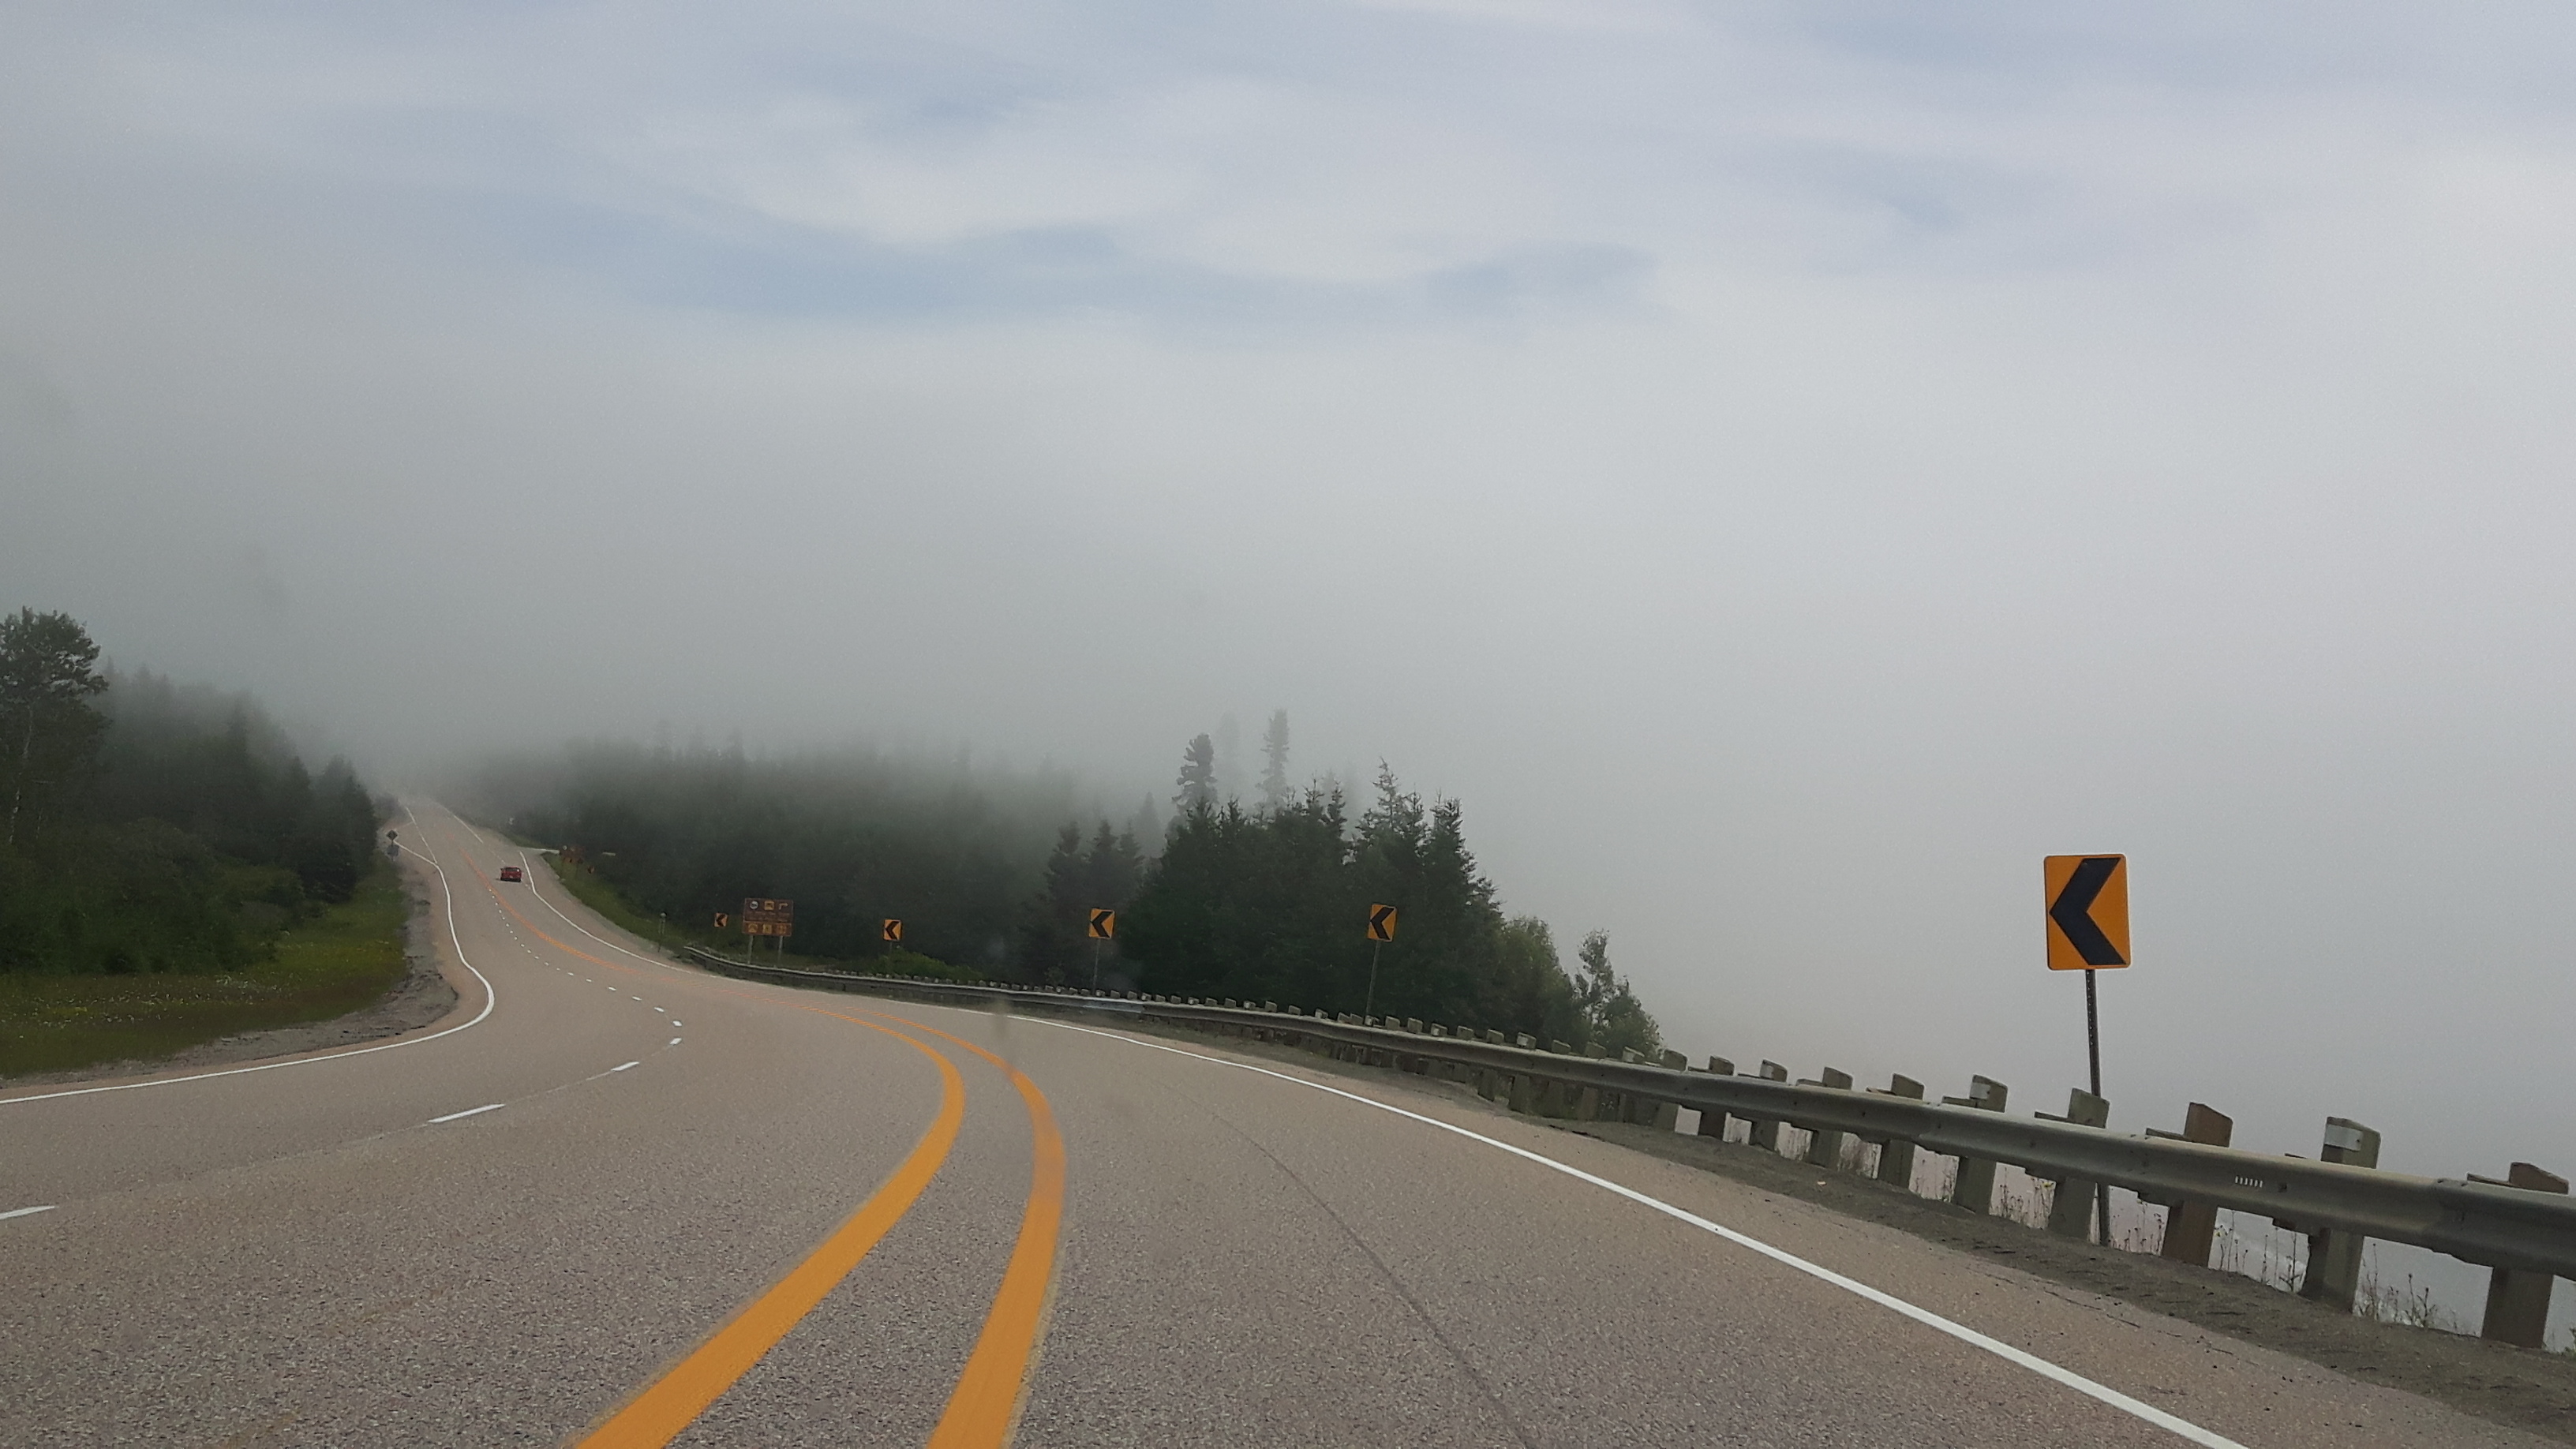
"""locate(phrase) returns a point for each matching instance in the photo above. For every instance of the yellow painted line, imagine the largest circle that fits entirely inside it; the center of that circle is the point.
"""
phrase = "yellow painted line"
(985, 1405)
(672, 1402)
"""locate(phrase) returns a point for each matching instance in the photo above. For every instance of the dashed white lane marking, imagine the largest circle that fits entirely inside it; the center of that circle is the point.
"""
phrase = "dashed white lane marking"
(657, 1008)
(470, 1112)
(675, 1021)
(629, 1064)
(25, 1212)
(2208, 1438)
(675, 1041)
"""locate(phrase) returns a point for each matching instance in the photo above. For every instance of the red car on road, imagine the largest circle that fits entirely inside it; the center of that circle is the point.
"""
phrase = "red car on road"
(511, 872)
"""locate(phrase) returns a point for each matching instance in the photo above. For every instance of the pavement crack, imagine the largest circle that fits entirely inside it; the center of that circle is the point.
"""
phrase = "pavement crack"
(1394, 1281)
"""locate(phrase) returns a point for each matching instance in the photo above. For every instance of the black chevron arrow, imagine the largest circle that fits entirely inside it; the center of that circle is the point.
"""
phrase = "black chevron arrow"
(2072, 911)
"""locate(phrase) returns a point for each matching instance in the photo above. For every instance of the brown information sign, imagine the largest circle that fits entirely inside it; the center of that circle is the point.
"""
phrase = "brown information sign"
(764, 916)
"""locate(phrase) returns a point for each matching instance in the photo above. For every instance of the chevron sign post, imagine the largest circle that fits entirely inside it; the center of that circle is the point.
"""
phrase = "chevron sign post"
(2088, 931)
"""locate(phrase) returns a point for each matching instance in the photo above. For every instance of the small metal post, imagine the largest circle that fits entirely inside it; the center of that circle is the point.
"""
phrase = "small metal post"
(2093, 1053)
(1368, 1003)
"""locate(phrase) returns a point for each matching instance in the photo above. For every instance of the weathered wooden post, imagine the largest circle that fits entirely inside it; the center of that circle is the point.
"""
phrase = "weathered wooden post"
(2518, 1298)
(1712, 1123)
(1666, 1115)
(1556, 1097)
(1766, 1131)
(2189, 1226)
(1975, 1188)
(1587, 1103)
(1896, 1154)
(1825, 1149)
(2070, 1213)
(2334, 1255)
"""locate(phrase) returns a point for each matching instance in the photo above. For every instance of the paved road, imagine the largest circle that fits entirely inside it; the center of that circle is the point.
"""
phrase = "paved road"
(1069, 1235)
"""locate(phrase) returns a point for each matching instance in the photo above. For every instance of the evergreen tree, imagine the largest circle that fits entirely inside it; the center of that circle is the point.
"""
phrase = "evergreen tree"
(1274, 768)
(1612, 1017)
(49, 730)
(1198, 776)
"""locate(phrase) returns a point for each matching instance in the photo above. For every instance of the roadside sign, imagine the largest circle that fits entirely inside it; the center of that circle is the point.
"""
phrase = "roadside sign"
(1381, 923)
(892, 930)
(767, 916)
(2088, 911)
(723, 920)
(1104, 924)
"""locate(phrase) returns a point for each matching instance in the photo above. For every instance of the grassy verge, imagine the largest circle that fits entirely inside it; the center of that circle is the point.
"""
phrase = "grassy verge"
(340, 961)
(602, 897)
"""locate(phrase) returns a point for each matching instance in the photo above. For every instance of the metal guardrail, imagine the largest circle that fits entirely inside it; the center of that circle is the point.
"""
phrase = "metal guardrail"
(2497, 1226)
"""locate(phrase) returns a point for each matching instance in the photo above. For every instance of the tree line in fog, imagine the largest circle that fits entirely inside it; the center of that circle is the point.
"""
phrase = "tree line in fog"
(997, 871)
(154, 827)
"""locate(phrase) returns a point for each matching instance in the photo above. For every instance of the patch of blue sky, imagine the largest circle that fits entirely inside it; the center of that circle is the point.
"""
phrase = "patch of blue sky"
(766, 269)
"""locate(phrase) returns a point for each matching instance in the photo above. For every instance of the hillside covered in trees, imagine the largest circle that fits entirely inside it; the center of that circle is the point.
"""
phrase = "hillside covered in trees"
(152, 827)
(996, 870)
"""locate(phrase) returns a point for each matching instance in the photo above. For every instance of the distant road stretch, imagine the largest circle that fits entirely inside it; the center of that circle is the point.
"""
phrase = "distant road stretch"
(615, 1201)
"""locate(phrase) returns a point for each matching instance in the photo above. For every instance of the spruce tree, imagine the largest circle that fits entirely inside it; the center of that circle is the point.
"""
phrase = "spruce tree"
(1198, 776)
(1274, 769)
(49, 731)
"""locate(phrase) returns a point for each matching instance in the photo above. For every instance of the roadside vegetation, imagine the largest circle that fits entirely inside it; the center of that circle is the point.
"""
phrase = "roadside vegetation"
(995, 873)
(341, 959)
(170, 869)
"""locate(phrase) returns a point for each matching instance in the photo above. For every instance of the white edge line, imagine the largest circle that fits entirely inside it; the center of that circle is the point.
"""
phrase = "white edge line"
(629, 1064)
(2210, 1439)
(469, 1112)
(25, 1212)
(490, 1000)
(2005, 1351)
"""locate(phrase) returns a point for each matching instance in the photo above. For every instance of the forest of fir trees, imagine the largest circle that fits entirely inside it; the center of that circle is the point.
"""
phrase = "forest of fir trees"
(994, 872)
(1266, 902)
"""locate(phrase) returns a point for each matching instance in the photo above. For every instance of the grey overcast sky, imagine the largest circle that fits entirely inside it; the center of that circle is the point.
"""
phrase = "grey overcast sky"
(1786, 468)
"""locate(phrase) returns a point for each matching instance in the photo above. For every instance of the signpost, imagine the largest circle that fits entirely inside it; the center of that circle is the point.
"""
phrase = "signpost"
(1103, 926)
(767, 916)
(2088, 931)
(1381, 929)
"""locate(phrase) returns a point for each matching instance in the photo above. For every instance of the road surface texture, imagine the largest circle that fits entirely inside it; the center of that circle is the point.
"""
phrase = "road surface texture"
(613, 1200)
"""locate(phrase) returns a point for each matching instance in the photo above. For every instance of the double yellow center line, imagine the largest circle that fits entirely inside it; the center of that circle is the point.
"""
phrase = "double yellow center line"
(986, 1402)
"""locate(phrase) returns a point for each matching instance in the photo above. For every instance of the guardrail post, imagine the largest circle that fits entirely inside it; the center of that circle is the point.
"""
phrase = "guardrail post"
(1589, 1102)
(1825, 1149)
(2070, 1213)
(1975, 1187)
(1712, 1122)
(2518, 1298)
(2189, 1226)
(1766, 1134)
(1668, 1115)
(1895, 1154)
(2334, 1255)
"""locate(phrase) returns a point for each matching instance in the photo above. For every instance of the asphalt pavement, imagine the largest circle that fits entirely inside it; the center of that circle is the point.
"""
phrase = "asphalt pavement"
(615, 1200)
